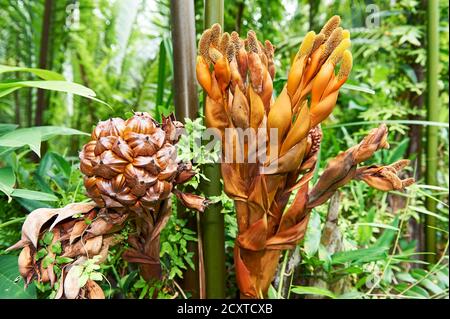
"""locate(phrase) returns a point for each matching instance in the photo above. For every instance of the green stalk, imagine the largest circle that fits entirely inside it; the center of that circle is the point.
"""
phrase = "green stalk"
(161, 79)
(433, 115)
(212, 221)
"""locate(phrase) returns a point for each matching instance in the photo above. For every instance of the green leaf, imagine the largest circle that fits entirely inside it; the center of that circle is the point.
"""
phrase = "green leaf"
(96, 276)
(60, 86)
(143, 292)
(272, 293)
(403, 276)
(47, 261)
(51, 159)
(30, 204)
(385, 240)
(63, 260)
(359, 256)
(41, 253)
(48, 132)
(56, 248)
(11, 283)
(4, 128)
(33, 136)
(48, 237)
(7, 181)
(34, 195)
(43, 74)
(398, 152)
(303, 290)
(427, 212)
(358, 88)
(313, 234)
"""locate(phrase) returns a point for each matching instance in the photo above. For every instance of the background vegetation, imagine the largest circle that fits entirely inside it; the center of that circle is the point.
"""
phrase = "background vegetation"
(365, 244)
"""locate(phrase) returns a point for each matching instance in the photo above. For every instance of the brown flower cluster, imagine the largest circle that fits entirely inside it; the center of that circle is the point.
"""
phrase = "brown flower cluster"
(131, 170)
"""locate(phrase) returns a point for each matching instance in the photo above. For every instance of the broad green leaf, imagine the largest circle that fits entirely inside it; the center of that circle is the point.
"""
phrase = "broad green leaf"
(43, 74)
(303, 290)
(31, 205)
(22, 137)
(313, 234)
(4, 128)
(7, 90)
(359, 256)
(34, 195)
(56, 248)
(47, 261)
(385, 240)
(272, 293)
(63, 260)
(11, 283)
(405, 277)
(7, 180)
(48, 237)
(358, 88)
(427, 212)
(398, 152)
(41, 253)
(48, 132)
(431, 286)
(33, 136)
(60, 86)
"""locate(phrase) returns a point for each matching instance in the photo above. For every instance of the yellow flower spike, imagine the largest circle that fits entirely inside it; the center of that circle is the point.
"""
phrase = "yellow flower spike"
(221, 68)
(344, 72)
(323, 109)
(318, 41)
(270, 49)
(255, 66)
(320, 83)
(298, 130)
(216, 31)
(346, 66)
(338, 52)
(331, 24)
(256, 109)
(203, 45)
(241, 55)
(320, 55)
(214, 54)
(267, 90)
(230, 52)
(346, 34)
(216, 93)
(224, 41)
(331, 44)
(298, 65)
(203, 74)
(236, 79)
(280, 115)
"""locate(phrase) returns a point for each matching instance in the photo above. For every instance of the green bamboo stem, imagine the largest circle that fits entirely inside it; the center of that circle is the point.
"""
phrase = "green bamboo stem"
(433, 115)
(186, 106)
(212, 221)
